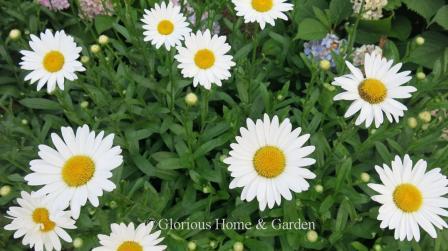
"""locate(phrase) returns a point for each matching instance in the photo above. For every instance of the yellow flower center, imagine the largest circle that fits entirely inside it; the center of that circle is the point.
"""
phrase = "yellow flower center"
(41, 216)
(53, 61)
(407, 197)
(165, 27)
(204, 59)
(372, 91)
(262, 5)
(269, 161)
(130, 246)
(78, 170)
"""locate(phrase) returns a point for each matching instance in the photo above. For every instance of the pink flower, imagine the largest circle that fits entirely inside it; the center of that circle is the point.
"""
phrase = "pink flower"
(92, 8)
(55, 4)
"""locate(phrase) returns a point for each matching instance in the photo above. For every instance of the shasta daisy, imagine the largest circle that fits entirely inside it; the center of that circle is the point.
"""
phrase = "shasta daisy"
(164, 24)
(204, 59)
(375, 91)
(40, 222)
(269, 160)
(129, 238)
(53, 59)
(262, 11)
(411, 198)
(78, 169)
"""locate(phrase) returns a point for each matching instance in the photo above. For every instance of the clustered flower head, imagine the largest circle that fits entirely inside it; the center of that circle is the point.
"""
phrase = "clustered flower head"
(92, 8)
(371, 10)
(360, 53)
(322, 49)
(55, 4)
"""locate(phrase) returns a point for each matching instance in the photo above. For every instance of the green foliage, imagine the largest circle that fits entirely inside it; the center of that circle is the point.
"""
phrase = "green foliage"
(173, 152)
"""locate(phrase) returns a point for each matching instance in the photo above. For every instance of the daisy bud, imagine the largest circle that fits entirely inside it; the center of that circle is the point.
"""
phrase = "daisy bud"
(425, 127)
(206, 189)
(24, 122)
(311, 236)
(5, 190)
(365, 177)
(192, 246)
(94, 48)
(238, 246)
(421, 76)
(373, 131)
(412, 122)
(425, 116)
(91, 211)
(15, 34)
(191, 99)
(113, 204)
(280, 97)
(103, 40)
(377, 247)
(319, 188)
(329, 87)
(420, 40)
(324, 65)
(213, 244)
(85, 59)
(84, 104)
(77, 242)
(222, 157)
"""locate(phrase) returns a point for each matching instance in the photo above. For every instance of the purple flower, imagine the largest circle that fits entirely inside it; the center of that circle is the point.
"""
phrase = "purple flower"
(55, 5)
(92, 8)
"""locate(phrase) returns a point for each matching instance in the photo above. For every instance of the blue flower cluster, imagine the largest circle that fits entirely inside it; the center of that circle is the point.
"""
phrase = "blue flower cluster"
(321, 49)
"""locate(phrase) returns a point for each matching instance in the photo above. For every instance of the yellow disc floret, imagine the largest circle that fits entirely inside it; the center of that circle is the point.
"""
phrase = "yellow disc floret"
(130, 246)
(53, 61)
(269, 161)
(78, 170)
(372, 91)
(408, 197)
(262, 5)
(42, 216)
(165, 27)
(204, 59)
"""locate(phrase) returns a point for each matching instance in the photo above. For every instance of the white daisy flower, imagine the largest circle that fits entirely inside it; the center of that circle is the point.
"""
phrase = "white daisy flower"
(262, 11)
(204, 59)
(128, 238)
(164, 24)
(268, 161)
(411, 197)
(40, 222)
(78, 169)
(375, 91)
(52, 60)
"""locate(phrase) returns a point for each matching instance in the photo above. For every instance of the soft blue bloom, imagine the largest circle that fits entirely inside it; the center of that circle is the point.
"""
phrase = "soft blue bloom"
(321, 49)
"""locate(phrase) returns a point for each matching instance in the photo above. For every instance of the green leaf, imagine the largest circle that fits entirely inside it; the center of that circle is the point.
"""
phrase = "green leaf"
(340, 10)
(243, 51)
(143, 164)
(401, 28)
(103, 23)
(342, 173)
(311, 29)
(426, 9)
(390, 51)
(382, 26)
(442, 17)
(40, 103)
(392, 4)
(433, 49)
